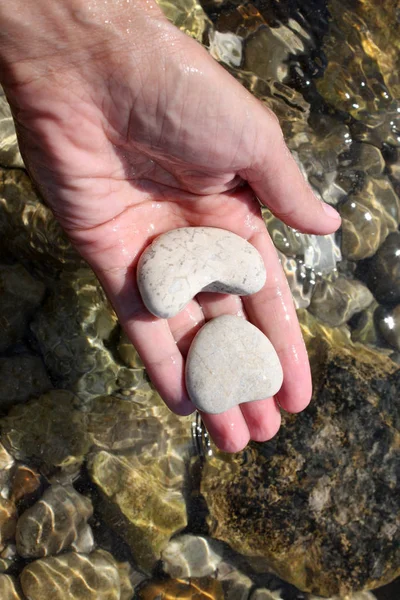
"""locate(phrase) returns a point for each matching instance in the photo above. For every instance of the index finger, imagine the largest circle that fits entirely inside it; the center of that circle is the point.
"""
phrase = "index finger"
(279, 184)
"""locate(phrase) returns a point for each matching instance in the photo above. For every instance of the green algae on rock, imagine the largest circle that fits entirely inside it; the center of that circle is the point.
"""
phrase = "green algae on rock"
(319, 501)
(54, 523)
(73, 576)
(9, 588)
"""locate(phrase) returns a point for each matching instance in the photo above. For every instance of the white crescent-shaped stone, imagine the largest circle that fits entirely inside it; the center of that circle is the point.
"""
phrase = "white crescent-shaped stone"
(231, 362)
(183, 262)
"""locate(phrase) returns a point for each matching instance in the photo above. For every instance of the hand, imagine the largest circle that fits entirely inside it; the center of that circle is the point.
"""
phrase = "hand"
(132, 133)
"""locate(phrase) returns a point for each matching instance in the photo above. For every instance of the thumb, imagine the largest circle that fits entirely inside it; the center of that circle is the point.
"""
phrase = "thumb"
(277, 181)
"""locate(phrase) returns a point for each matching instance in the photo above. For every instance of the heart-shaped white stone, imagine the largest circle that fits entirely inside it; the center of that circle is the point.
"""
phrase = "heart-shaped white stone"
(183, 262)
(231, 362)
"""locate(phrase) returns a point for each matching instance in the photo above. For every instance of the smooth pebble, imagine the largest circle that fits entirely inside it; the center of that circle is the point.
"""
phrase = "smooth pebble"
(231, 362)
(183, 262)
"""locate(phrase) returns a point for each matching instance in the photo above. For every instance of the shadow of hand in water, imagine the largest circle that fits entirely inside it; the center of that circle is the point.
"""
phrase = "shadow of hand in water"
(129, 136)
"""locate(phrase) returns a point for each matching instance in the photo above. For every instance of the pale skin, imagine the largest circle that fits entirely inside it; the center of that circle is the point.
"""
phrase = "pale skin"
(130, 129)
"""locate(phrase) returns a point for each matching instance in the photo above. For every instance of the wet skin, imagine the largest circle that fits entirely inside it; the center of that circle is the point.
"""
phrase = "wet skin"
(130, 129)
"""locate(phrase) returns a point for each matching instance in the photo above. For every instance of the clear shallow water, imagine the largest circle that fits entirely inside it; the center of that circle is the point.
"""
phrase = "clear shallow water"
(331, 75)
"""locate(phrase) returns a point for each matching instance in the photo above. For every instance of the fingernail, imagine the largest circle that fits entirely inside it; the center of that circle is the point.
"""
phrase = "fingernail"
(330, 211)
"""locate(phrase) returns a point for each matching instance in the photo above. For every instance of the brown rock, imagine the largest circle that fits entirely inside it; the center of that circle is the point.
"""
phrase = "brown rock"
(319, 502)
(73, 576)
(9, 588)
(197, 589)
(53, 523)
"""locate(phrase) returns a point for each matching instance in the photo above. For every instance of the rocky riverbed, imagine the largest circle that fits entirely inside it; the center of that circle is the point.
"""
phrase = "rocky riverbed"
(104, 493)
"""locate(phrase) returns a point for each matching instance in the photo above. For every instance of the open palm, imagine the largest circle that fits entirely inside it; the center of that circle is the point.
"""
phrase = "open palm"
(123, 154)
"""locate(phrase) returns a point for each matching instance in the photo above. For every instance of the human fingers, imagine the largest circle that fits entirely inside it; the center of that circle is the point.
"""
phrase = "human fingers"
(263, 418)
(228, 430)
(185, 325)
(272, 310)
(152, 338)
(276, 179)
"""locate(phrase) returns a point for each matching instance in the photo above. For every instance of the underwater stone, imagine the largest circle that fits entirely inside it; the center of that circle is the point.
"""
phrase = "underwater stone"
(25, 482)
(128, 353)
(181, 263)
(301, 281)
(383, 272)
(48, 430)
(336, 302)
(205, 588)
(71, 329)
(53, 523)
(139, 502)
(364, 328)
(266, 52)
(8, 521)
(362, 158)
(231, 362)
(142, 486)
(84, 543)
(388, 321)
(264, 594)
(21, 376)
(9, 151)
(28, 228)
(142, 426)
(20, 296)
(319, 253)
(191, 556)
(9, 588)
(188, 16)
(319, 502)
(368, 217)
(73, 576)
(226, 47)
(235, 583)
(356, 596)
(6, 470)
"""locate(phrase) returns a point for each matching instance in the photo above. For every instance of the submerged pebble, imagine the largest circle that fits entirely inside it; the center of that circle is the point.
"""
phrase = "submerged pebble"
(9, 588)
(388, 322)
(205, 588)
(181, 263)
(191, 556)
(383, 275)
(73, 576)
(54, 523)
(8, 520)
(335, 303)
(231, 362)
